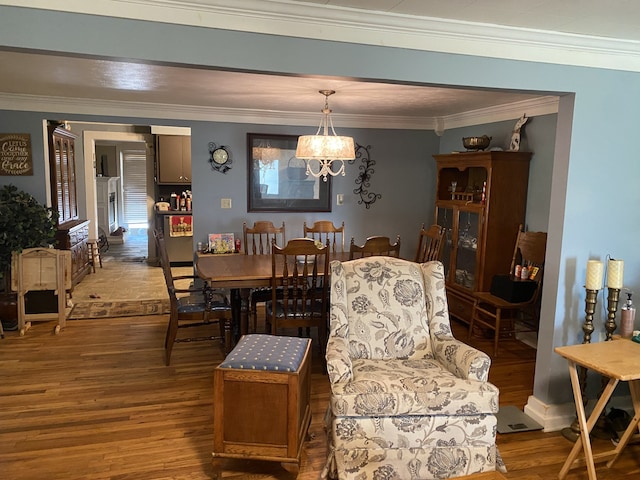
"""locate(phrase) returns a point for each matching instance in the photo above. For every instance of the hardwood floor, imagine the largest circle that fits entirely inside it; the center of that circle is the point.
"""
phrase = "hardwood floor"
(97, 402)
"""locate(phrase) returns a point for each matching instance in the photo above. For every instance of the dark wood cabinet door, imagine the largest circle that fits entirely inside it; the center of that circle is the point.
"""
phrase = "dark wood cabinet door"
(174, 159)
(62, 162)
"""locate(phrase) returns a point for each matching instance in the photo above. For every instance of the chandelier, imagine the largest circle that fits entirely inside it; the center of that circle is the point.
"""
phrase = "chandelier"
(321, 150)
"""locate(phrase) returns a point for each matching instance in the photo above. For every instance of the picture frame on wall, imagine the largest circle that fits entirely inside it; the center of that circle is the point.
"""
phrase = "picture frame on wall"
(277, 181)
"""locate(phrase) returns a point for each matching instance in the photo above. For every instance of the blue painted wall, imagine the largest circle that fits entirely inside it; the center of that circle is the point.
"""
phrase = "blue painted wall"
(595, 169)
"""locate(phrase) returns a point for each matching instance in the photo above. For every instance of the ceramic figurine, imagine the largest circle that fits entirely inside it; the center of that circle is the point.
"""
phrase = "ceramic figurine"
(515, 135)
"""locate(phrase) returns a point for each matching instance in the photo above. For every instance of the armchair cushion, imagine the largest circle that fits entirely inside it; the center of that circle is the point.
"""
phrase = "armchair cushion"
(386, 306)
(410, 387)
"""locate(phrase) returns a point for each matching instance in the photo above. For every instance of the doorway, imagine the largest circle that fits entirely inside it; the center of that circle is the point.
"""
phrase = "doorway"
(130, 238)
(125, 161)
(128, 234)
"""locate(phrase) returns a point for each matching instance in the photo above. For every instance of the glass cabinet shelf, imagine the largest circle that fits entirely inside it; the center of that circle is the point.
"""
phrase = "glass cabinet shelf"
(461, 242)
(463, 186)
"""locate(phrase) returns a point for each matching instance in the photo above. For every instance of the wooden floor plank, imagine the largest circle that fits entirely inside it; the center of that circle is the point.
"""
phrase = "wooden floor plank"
(97, 403)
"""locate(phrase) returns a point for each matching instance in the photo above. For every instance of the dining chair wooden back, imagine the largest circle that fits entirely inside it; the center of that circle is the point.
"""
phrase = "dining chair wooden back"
(496, 313)
(301, 269)
(430, 243)
(325, 231)
(258, 239)
(192, 306)
(377, 245)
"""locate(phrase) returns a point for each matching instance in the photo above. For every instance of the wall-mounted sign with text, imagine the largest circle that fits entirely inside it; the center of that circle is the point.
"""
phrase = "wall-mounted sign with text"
(15, 154)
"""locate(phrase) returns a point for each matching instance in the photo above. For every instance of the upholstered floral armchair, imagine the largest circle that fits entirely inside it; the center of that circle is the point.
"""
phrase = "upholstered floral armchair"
(408, 401)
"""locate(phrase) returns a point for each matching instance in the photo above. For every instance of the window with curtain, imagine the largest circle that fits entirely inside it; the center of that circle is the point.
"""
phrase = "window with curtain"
(134, 188)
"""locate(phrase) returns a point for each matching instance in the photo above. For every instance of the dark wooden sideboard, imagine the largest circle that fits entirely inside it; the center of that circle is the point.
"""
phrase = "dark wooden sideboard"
(74, 236)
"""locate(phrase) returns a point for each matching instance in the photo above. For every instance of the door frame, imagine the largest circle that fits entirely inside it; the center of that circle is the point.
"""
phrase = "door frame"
(89, 151)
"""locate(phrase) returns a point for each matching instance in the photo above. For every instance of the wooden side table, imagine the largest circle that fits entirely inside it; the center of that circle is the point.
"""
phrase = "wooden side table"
(261, 400)
(619, 360)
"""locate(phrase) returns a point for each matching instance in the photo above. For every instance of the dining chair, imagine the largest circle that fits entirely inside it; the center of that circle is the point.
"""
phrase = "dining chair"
(257, 241)
(301, 268)
(325, 231)
(377, 245)
(492, 311)
(193, 306)
(430, 243)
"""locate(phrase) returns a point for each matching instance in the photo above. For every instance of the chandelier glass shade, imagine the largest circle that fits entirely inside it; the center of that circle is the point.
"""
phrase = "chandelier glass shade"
(325, 147)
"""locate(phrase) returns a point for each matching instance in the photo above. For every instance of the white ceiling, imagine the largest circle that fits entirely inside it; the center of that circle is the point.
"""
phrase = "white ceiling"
(98, 82)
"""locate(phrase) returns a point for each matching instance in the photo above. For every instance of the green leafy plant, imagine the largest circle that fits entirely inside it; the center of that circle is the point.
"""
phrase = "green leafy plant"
(24, 223)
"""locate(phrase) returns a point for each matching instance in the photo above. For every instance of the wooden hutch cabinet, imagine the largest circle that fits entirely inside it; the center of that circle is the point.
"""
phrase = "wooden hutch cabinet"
(73, 233)
(481, 200)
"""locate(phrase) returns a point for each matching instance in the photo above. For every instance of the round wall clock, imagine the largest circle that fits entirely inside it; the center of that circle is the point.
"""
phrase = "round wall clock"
(219, 157)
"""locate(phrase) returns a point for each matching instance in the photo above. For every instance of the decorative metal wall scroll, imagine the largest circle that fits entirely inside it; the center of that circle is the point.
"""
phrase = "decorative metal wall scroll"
(364, 177)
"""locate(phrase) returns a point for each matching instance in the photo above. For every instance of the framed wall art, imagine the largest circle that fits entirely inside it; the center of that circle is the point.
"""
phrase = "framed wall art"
(277, 180)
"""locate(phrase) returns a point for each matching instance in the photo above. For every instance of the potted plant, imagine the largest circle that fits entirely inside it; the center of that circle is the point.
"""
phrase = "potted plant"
(24, 223)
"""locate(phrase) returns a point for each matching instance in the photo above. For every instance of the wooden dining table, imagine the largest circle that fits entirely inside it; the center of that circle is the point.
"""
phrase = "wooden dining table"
(240, 273)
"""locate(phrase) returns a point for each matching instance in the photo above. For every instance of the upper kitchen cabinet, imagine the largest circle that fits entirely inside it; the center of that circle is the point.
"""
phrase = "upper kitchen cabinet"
(481, 200)
(173, 159)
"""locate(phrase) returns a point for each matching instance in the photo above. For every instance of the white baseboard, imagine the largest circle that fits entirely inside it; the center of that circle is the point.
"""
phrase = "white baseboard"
(556, 417)
(551, 417)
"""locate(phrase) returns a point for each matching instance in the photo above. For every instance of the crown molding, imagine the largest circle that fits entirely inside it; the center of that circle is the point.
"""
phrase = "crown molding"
(283, 17)
(84, 106)
(532, 108)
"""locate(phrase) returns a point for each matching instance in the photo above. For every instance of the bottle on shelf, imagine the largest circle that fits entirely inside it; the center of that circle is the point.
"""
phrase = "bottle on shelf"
(627, 318)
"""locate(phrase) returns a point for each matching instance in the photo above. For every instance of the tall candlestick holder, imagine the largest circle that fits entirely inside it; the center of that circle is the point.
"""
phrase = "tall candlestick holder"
(573, 432)
(613, 297)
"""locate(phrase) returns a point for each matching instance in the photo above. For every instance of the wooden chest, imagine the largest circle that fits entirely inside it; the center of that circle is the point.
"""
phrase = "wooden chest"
(262, 414)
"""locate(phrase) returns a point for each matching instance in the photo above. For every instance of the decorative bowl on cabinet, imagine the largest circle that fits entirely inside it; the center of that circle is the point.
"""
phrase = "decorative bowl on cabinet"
(476, 143)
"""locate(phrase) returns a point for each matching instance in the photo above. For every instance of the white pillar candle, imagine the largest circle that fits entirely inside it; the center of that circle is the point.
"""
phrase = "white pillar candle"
(615, 270)
(594, 274)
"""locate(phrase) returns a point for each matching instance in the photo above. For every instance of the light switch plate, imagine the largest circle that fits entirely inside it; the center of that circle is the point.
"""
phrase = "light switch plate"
(339, 199)
(225, 203)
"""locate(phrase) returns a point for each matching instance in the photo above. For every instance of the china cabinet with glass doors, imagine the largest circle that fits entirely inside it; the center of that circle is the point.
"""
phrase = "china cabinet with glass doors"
(481, 200)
